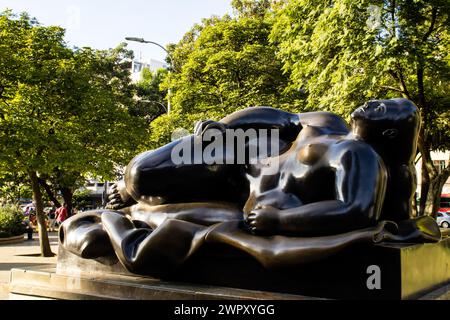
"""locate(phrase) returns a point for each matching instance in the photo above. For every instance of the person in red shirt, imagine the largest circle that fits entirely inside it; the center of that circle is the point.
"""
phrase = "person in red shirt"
(61, 213)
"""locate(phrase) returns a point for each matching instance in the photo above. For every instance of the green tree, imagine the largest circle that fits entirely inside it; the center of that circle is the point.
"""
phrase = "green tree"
(151, 98)
(342, 53)
(225, 64)
(106, 132)
(81, 198)
(252, 8)
(14, 186)
(64, 113)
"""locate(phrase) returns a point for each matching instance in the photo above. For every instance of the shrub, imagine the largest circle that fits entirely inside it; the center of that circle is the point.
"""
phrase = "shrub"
(81, 199)
(11, 221)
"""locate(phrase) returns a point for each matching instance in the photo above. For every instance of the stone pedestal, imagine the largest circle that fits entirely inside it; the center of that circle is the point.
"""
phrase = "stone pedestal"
(411, 271)
(45, 283)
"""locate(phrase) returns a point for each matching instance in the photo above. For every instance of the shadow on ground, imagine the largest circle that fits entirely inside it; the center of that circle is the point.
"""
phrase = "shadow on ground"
(8, 266)
(28, 255)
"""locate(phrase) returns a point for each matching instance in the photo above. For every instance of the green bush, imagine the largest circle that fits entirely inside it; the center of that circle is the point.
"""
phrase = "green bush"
(81, 199)
(11, 218)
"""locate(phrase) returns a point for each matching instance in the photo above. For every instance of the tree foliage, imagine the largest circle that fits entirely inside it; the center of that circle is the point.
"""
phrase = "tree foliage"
(63, 112)
(225, 64)
(151, 98)
(63, 109)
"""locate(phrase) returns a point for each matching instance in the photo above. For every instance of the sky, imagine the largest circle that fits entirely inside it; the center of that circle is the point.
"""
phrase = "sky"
(103, 24)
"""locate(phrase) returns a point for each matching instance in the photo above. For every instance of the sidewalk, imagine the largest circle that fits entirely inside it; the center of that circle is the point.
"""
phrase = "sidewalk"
(24, 254)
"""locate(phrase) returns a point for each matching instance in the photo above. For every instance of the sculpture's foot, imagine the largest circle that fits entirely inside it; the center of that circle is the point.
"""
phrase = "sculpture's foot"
(84, 236)
(417, 230)
(118, 197)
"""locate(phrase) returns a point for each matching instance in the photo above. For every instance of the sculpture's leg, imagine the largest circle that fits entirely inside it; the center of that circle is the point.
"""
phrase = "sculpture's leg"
(156, 252)
(201, 213)
(281, 251)
(84, 236)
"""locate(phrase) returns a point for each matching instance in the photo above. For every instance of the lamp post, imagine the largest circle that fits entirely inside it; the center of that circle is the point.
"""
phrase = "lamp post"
(142, 40)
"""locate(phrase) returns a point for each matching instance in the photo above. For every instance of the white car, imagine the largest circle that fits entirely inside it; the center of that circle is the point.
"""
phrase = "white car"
(443, 219)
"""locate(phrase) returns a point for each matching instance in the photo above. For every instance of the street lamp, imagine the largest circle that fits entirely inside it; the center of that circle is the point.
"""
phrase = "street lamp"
(141, 40)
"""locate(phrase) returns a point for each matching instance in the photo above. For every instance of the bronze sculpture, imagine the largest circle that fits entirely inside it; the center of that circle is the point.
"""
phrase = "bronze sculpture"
(327, 188)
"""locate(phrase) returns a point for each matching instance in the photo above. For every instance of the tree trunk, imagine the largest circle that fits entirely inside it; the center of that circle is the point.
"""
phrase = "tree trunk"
(49, 192)
(46, 251)
(424, 187)
(67, 196)
(434, 193)
(414, 212)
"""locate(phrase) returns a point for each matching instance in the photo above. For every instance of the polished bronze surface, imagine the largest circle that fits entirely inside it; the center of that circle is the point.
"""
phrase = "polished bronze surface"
(327, 188)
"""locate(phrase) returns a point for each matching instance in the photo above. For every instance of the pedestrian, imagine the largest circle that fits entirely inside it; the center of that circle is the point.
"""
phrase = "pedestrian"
(61, 214)
(52, 219)
(28, 226)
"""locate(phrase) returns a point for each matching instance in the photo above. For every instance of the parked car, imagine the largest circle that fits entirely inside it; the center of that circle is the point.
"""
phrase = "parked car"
(443, 219)
(443, 214)
(445, 203)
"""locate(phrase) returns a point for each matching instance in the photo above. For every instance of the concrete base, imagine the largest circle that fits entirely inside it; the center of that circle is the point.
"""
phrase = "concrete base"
(406, 271)
(414, 271)
(10, 240)
(39, 283)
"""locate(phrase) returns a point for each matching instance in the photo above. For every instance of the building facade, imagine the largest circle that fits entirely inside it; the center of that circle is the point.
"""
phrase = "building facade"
(440, 160)
(138, 65)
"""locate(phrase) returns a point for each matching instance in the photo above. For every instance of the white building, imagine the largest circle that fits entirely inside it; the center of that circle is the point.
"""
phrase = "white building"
(440, 161)
(139, 65)
(97, 192)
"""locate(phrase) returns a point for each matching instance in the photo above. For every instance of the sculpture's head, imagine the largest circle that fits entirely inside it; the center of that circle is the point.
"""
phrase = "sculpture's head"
(388, 125)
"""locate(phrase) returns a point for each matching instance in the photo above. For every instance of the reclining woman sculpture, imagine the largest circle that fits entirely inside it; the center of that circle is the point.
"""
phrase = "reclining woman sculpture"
(327, 188)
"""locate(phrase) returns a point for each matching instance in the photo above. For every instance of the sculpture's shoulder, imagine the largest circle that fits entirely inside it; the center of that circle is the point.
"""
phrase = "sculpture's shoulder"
(357, 151)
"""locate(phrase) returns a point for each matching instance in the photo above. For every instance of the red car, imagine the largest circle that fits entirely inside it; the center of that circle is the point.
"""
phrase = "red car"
(445, 203)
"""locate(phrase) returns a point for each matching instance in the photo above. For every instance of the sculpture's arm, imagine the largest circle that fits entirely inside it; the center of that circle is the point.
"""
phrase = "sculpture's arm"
(360, 183)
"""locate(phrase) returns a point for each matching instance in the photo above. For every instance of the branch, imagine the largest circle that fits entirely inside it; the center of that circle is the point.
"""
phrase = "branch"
(418, 157)
(434, 13)
(420, 85)
(446, 170)
(393, 89)
(393, 18)
(49, 192)
(402, 81)
(426, 158)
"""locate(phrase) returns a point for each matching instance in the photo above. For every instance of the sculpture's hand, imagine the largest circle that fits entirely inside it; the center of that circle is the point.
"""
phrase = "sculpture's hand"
(118, 197)
(264, 220)
(202, 126)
